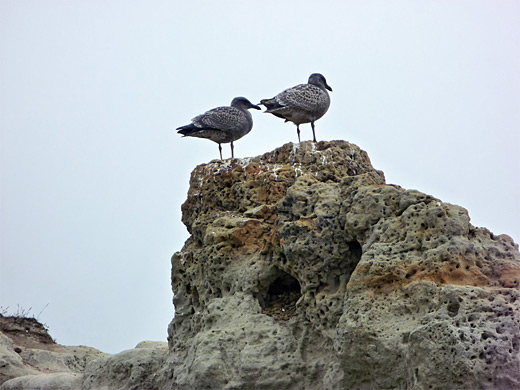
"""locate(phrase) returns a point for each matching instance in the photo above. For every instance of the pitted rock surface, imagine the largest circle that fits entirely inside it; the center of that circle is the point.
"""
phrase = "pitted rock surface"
(304, 270)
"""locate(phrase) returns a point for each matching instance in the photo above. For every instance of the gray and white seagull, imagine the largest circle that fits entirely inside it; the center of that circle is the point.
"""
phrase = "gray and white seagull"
(222, 124)
(303, 103)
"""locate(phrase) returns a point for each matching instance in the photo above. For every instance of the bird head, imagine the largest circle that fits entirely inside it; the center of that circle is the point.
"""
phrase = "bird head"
(242, 102)
(318, 80)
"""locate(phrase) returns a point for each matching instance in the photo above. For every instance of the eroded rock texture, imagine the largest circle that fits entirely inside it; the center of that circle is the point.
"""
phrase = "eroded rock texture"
(304, 270)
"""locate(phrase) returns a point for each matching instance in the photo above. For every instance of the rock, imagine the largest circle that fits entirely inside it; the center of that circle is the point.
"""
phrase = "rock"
(137, 368)
(64, 359)
(11, 363)
(29, 357)
(304, 270)
(152, 344)
(57, 381)
(25, 331)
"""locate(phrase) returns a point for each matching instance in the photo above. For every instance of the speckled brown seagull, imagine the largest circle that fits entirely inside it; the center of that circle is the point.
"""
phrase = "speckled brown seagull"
(303, 103)
(222, 124)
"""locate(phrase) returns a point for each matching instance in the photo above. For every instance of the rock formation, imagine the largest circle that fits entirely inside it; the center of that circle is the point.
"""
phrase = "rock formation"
(30, 355)
(31, 360)
(304, 270)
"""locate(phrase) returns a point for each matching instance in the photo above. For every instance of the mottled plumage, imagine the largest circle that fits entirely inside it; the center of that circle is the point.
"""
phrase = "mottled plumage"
(304, 103)
(222, 124)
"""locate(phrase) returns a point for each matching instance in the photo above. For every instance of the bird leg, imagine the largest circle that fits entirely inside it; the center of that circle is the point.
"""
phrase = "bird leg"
(298, 131)
(313, 134)
(220, 150)
(232, 150)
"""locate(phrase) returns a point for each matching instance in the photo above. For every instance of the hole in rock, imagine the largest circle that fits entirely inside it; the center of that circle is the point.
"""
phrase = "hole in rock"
(354, 257)
(282, 295)
(453, 308)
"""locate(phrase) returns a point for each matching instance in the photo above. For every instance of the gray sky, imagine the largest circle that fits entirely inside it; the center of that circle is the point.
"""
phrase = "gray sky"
(93, 174)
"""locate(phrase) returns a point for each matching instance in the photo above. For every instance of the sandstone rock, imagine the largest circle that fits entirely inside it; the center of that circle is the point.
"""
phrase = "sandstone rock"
(11, 363)
(56, 381)
(30, 359)
(137, 368)
(152, 344)
(62, 359)
(304, 270)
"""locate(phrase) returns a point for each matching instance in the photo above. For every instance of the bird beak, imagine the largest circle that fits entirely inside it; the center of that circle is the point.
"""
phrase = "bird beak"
(329, 88)
(255, 107)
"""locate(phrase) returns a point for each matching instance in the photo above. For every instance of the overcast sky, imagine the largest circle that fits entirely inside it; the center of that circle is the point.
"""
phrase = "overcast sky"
(93, 174)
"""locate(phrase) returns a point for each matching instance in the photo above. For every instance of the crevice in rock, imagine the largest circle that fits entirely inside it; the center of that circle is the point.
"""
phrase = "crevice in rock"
(281, 297)
(356, 252)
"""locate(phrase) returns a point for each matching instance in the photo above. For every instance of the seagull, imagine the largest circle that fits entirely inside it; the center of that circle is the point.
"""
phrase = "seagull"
(222, 124)
(303, 103)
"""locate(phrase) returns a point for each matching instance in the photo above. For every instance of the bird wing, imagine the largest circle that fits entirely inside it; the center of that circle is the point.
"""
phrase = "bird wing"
(221, 118)
(304, 97)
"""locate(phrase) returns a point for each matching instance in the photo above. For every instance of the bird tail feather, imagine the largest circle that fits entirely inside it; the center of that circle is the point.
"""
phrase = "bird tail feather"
(270, 104)
(187, 129)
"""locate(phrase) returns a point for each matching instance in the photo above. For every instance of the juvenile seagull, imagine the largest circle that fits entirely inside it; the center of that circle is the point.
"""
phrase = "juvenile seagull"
(301, 104)
(222, 124)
